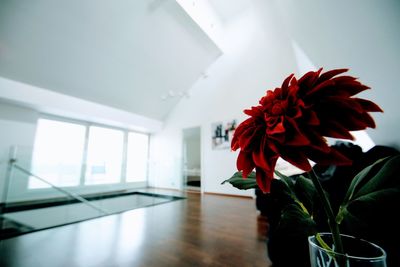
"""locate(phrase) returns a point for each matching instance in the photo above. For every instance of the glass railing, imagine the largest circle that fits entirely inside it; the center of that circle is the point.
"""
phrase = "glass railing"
(24, 210)
(30, 202)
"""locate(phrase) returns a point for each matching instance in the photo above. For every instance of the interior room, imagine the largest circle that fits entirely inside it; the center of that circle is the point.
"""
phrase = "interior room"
(120, 122)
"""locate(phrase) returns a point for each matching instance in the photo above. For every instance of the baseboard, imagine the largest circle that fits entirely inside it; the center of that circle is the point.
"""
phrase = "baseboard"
(228, 195)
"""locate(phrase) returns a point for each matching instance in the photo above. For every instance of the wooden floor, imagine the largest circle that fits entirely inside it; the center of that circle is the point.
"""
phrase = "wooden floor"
(206, 230)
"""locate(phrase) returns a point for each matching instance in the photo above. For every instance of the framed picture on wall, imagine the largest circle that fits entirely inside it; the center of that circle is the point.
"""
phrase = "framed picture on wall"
(222, 133)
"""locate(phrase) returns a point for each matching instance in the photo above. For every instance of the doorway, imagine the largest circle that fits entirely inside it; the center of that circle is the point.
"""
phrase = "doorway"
(191, 159)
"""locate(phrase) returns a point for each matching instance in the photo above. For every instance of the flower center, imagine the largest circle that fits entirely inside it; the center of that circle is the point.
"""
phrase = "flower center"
(277, 108)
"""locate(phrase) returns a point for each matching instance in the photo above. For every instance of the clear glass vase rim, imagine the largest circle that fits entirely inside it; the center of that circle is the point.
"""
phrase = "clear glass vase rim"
(383, 256)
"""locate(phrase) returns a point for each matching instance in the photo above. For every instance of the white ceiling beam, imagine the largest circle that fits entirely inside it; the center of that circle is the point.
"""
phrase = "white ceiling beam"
(50, 102)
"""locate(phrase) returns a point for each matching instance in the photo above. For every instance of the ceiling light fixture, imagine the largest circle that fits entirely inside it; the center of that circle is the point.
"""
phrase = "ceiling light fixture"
(172, 94)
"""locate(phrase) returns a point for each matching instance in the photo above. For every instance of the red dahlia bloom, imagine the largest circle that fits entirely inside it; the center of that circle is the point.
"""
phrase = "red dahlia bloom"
(291, 122)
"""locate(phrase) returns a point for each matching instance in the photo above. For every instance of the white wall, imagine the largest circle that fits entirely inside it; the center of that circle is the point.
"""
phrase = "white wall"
(257, 56)
(362, 35)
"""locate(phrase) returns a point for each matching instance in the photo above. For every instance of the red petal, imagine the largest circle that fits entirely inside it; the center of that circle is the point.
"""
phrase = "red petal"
(277, 129)
(264, 178)
(248, 137)
(368, 120)
(308, 79)
(343, 104)
(285, 84)
(294, 136)
(333, 157)
(345, 79)
(239, 131)
(254, 111)
(245, 163)
(317, 142)
(298, 109)
(353, 121)
(349, 88)
(243, 126)
(234, 143)
(260, 160)
(335, 130)
(312, 118)
(296, 158)
(368, 105)
(263, 181)
(323, 85)
(329, 74)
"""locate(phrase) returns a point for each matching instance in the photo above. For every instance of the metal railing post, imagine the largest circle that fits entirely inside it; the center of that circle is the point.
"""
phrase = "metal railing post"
(6, 185)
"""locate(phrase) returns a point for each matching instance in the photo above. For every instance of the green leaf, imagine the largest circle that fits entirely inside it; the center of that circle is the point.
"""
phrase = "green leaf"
(298, 189)
(374, 190)
(388, 170)
(290, 234)
(241, 183)
(281, 191)
(289, 181)
(363, 177)
(305, 192)
(294, 221)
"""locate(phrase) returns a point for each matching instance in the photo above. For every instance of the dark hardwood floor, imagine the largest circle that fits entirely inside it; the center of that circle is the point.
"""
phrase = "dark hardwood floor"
(207, 230)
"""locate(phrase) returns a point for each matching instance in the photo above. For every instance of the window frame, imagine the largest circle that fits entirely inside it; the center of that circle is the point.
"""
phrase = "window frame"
(88, 188)
(147, 158)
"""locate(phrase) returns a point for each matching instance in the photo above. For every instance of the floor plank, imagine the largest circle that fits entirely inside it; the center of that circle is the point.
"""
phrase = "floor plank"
(203, 230)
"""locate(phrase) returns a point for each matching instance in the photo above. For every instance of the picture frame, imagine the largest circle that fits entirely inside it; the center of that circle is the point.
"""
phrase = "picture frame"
(222, 133)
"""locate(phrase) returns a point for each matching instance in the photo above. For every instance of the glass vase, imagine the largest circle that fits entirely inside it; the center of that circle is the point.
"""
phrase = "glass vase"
(358, 253)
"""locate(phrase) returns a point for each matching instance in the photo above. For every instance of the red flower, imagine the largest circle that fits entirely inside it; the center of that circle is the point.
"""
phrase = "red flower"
(291, 122)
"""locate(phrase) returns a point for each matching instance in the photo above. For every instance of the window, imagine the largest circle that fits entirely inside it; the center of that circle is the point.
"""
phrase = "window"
(136, 164)
(104, 158)
(57, 153)
(80, 154)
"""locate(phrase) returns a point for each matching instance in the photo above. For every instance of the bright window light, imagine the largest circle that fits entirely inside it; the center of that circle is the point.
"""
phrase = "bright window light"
(104, 157)
(74, 154)
(136, 165)
(57, 153)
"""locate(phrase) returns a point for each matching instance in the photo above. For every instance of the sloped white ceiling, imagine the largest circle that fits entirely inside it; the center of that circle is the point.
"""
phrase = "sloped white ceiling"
(362, 35)
(125, 54)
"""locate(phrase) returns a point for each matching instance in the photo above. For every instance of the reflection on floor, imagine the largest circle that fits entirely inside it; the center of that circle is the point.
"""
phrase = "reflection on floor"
(19, 219)
(202, 230)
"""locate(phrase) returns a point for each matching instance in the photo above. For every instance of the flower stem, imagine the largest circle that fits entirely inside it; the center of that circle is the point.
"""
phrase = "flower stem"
(329, 213)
